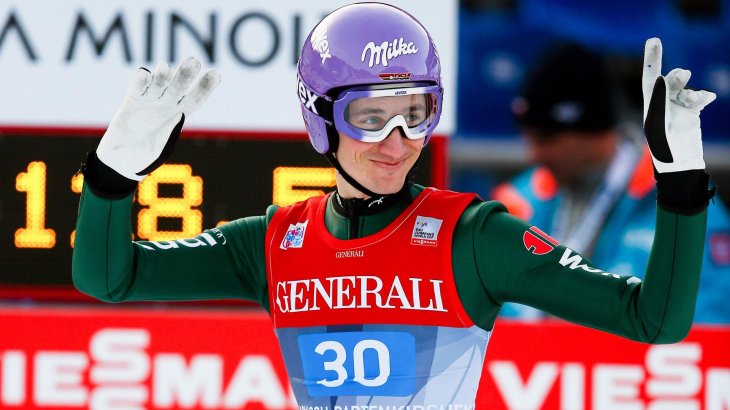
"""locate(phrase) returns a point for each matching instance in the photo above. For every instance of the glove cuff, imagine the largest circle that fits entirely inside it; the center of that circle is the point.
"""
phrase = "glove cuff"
(684, 192)
(104, 181)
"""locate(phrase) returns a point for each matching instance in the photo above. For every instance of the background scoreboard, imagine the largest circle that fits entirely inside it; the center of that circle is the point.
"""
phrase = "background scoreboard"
(210, 179)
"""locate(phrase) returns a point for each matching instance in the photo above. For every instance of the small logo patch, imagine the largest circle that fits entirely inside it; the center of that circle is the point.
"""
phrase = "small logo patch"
(394, 76)
(294, 237)
(426, 231)
(538, 242)
(307, 96)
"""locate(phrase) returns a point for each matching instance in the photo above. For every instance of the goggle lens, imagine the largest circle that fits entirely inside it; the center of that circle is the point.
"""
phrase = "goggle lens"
(371, 115)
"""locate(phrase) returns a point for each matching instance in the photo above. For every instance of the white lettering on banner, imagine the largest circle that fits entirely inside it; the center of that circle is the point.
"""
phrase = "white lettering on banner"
(717, 390)
(177, 382)
(64, 47)
(616, 387)
(529, 395)
(118, 398)
(12, 389)
(534, 391)
(671, 378)
(254, 381)
(201, 382)
(58, 379)
(124, 376)
(121, 365)
(119, 356)
(572, 386)
(675, 371)
(668, 379)
(358, 292)
(112, 36)
(394, 407)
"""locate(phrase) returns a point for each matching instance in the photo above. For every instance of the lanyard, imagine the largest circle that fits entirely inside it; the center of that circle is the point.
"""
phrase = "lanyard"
(582, 236)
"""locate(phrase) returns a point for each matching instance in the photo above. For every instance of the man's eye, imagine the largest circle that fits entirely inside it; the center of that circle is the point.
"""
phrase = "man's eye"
(415, 118)
(372, 122)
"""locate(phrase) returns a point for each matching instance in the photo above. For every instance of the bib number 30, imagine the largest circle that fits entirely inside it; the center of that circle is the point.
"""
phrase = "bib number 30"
(358, 363)
(358, 358)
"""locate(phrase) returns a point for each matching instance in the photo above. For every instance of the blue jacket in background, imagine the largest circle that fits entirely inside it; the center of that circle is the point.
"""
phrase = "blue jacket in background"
(624, 243)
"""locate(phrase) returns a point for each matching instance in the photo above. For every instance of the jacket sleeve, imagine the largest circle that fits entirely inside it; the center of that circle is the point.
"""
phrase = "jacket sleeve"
(220, 263)
(553, 278)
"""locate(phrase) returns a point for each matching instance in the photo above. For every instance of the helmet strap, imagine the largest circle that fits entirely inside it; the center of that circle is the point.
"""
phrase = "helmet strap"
(406, 184)
(335, 163)
(334, 142)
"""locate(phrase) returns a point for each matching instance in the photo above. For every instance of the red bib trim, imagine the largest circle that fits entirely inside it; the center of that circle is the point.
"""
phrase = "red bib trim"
(400, 275)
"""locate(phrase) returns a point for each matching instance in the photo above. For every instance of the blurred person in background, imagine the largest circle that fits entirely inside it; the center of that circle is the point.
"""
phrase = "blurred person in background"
(591, 185)
(383, 293)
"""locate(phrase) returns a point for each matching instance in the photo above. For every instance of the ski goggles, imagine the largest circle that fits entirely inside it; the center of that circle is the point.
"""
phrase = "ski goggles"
(370, 114)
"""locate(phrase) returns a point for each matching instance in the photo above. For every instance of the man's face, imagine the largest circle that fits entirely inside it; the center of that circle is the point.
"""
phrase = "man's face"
(569, 155)
(381, 166)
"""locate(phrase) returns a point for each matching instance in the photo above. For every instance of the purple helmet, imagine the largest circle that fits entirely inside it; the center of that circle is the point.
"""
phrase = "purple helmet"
(362, 44)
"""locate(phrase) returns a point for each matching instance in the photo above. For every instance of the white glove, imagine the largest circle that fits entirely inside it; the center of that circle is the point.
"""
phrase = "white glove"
(671, 114)
(144, 129)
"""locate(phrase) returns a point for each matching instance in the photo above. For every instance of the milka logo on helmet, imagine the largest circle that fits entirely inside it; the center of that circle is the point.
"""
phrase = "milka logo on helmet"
(307, 97)
(386, 51)
(294, 237)
(320, 43)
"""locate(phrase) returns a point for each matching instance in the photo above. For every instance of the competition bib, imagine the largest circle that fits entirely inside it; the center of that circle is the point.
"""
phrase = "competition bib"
(359, 363)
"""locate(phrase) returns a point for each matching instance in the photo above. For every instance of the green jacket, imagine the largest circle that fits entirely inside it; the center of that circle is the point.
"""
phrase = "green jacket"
(491, 265)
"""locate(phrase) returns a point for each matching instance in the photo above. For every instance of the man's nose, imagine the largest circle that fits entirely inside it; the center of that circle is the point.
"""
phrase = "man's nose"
(394, 142)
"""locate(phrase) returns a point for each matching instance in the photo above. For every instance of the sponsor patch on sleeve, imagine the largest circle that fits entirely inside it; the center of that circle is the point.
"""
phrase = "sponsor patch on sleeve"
(538, 242)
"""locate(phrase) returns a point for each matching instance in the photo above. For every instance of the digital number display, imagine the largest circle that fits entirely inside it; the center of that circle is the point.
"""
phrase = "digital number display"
(210, 179)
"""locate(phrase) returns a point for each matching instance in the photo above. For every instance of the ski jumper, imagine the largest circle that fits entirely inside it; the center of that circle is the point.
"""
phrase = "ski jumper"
(375, 320)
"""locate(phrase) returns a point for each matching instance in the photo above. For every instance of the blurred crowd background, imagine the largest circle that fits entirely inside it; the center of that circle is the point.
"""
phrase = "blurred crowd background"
(500, 39)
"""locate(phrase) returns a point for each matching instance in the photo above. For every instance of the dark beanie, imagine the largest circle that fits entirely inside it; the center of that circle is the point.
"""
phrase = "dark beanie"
(568, 89)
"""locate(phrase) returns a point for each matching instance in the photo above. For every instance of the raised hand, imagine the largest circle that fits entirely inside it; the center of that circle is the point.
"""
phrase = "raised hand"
(143, 132)
(671, 114)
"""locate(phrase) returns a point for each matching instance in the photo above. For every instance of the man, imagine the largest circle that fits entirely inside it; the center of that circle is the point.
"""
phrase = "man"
(382, 293)
(592, 186)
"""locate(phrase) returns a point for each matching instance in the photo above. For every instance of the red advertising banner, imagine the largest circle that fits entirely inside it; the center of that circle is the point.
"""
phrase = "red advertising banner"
(142, 358)
(554, 365)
